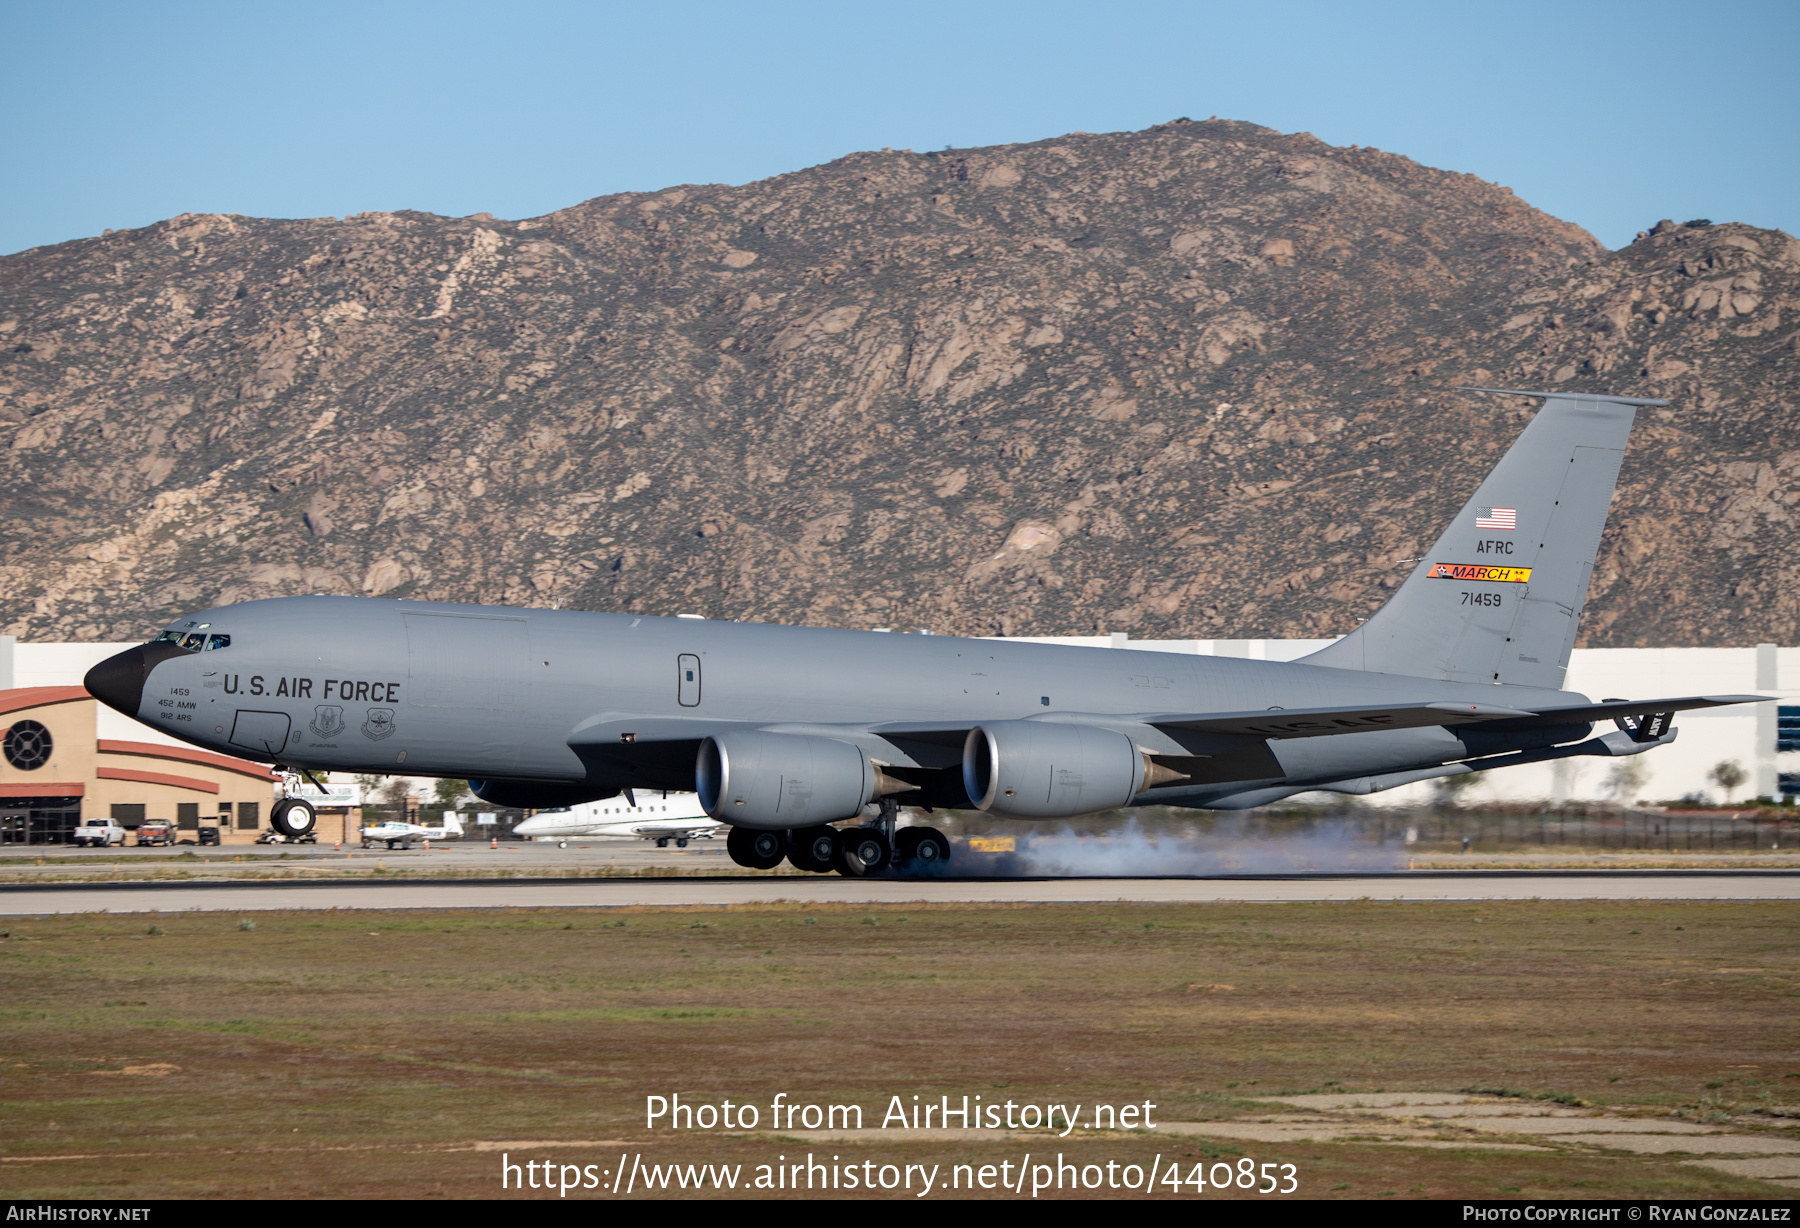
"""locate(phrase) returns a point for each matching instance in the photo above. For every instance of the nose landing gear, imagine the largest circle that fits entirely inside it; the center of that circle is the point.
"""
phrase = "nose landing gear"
(293, 817)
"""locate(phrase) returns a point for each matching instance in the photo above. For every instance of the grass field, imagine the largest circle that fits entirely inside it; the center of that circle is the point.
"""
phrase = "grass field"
(383, 1054)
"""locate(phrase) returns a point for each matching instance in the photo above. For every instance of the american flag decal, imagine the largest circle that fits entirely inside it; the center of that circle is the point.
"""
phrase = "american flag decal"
(1497, 518)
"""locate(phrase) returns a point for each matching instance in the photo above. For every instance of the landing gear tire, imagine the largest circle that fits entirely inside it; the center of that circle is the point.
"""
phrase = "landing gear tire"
(681, 843)
(925, 847)
(367, 845)
(862, 850)
(662, 844)
(562, 844)
(756, 850)
(813, 849)
(293, 817)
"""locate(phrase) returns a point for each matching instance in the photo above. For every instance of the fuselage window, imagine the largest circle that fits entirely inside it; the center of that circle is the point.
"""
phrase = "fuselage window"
(217, 641)
(168, 637)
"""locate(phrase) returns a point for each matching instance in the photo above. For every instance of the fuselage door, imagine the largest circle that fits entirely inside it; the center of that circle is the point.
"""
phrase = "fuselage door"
(266, 733)
(687, 686)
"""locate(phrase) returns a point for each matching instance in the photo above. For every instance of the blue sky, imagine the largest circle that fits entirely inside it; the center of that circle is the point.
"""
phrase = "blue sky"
(119, 114)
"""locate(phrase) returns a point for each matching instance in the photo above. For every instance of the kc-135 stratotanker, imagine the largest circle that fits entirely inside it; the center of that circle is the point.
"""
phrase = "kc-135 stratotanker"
(787, 731)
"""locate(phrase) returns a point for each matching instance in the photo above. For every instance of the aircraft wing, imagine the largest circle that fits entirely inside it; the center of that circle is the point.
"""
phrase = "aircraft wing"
(1613, 709)
(1317, 722)
(690, 831)
(625, 729)
(929, 741)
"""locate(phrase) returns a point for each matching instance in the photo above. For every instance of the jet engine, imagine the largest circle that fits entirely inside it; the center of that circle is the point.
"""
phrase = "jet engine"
(1041, 770)
(777, 780)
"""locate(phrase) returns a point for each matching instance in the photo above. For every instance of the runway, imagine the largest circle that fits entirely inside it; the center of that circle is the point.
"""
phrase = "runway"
(1420, 887)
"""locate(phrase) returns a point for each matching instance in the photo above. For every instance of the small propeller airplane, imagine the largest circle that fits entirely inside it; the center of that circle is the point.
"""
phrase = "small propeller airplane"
(396, 834)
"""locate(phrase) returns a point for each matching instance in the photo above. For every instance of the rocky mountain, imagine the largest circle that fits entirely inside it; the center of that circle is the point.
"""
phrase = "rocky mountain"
(1192, 381)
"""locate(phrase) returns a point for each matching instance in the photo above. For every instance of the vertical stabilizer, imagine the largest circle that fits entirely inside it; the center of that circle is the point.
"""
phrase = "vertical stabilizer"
(1498, 598)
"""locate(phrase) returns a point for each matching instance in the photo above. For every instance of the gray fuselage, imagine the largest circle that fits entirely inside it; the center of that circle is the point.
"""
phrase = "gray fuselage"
(609, 701)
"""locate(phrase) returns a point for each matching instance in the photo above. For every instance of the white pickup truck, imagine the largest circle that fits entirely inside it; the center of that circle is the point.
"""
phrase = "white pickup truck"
(99, 833)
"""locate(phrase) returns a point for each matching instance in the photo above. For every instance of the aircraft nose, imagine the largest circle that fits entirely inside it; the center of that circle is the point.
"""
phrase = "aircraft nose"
(118, 681)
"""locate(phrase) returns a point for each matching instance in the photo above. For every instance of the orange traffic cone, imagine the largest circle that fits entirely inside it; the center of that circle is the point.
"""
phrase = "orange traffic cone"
(495, 843)
(428, 846)
(336, 846)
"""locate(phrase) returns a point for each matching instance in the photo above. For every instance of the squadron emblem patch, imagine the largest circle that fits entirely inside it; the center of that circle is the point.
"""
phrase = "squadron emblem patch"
(1479, 571)
(380, 724)
(327, 721)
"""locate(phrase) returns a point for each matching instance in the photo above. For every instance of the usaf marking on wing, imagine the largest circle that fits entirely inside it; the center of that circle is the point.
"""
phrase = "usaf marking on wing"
(785, 732)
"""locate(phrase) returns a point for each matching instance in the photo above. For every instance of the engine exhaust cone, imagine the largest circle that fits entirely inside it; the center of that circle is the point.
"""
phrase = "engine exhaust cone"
(1156, 774)
(886, 785)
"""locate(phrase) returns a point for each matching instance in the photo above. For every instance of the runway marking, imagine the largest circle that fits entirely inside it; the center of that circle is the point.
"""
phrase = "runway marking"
(37, 900)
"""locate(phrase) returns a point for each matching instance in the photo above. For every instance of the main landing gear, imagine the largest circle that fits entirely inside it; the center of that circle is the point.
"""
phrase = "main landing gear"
(863, 850)
(851, 851)
(813, 849)
(757, 850)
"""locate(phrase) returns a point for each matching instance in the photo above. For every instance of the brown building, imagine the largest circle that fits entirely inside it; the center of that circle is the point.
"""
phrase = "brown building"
(55, 770)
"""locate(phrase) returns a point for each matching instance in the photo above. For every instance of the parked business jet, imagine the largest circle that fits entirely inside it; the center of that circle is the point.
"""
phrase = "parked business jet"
(786, 731)
(657, 816)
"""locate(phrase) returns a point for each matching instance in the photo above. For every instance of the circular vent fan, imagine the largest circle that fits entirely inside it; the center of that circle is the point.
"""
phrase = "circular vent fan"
(27, 745)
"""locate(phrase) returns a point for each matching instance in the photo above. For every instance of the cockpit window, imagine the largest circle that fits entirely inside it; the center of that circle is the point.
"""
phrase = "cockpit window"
(217, 641)
(193, 641)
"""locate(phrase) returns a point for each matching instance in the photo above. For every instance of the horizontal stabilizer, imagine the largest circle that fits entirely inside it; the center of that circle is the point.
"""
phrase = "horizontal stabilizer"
(1586, 396)
(1317, 722)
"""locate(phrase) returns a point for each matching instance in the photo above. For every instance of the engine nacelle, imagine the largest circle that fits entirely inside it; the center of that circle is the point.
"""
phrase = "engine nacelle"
(779, 780)
(1040, 770)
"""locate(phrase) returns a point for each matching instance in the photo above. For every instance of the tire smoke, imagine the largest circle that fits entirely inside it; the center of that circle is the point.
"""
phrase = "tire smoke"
(1200, 849)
